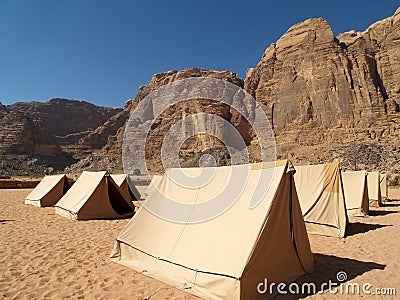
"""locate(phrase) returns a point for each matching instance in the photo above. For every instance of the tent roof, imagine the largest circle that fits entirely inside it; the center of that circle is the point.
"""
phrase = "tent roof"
(119, 178)
(321, 198)
(44, 187)
(81, 191)
(374, 188)
(355, 190)
(179, 242)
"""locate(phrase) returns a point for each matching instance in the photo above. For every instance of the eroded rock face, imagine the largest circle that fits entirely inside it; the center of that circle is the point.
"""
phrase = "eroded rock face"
(319, 91)
(63, 116)
(3, 110)
(306, 79)
(380, 46)
(109, 136)
(326, 97)
(98, 138)
(20, 134)
(323, 93)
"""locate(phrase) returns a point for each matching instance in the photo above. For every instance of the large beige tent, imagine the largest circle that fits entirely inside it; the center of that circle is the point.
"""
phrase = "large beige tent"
(321, 197)
(384, 187)
(95, 195)
(374, 189)
(124, 182)
(356, 192)
(48, 191)
(227, 256)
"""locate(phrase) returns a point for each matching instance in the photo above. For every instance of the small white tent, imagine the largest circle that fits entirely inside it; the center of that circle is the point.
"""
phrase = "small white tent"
(95, 195)
(227, 256)
(374, 189)
(321, 197)
(356, 192)
(48, 191)
(125, 183)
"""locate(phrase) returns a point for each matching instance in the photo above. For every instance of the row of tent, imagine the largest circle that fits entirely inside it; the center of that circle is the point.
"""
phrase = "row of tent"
(229, 255)
(326, 195)
(95, 195)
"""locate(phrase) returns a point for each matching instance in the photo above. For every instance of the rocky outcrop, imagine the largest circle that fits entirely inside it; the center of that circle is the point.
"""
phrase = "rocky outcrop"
(306, 79)
(323, 93)
(379, 48)
(3, 110)
(27, 147)
(63, 116)
(319, 91)
(99, 137)
(326, 97)
(109, 136)
(20, 134)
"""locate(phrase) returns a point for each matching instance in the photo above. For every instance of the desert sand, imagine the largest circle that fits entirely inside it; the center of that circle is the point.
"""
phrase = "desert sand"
(44, 255)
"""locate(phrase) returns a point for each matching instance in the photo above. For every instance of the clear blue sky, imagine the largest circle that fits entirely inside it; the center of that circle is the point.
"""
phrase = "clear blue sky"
(102, 51)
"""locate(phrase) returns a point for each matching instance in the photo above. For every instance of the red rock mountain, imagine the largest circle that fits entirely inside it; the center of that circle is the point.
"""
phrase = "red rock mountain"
(22, 135)
(326, 97)
(64, 117)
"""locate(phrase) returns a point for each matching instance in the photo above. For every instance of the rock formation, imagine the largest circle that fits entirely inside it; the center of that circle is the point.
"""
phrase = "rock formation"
(27, 146)
(22, 135)
(323, 93)
(326, 97)
(64, 117)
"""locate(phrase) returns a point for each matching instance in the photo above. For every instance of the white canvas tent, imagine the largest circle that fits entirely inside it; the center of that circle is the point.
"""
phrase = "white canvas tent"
(374, 189)
(356, 192)
(48, 191)
(227, 256)
(124, 182)
(384, 187)
(95, 195)
(321, 197)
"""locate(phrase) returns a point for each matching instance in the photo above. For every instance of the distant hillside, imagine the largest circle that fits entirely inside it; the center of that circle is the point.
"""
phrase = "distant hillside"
(326, 97)
(33, 134)
(63, 116)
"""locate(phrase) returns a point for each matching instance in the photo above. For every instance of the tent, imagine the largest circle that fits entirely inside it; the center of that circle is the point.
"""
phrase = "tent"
(374, 189)
(356, 192)
(95, 195)
(48, 191)
(320, 192)
(124, 182)
(155, 180)
(384, 187)
(227, 256)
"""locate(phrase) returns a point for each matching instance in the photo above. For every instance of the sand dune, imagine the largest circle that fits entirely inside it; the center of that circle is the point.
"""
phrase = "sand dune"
(44, 255)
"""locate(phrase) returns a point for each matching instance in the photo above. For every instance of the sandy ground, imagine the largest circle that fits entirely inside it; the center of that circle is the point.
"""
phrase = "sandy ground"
(43, 255)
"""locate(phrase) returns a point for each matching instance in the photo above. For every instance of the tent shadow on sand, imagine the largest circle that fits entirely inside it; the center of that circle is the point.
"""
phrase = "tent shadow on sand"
(375, 213)
(356, 228)
(326, 269)
(390, 204)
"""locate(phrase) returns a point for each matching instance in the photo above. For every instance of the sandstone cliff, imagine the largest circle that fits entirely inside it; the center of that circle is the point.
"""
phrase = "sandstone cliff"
(327, 95)
(109, 136)
(27, 146)
(22, 135)
(63, 116)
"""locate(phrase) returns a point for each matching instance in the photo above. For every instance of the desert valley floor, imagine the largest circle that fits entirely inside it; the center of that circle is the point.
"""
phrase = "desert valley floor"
(44, 255)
